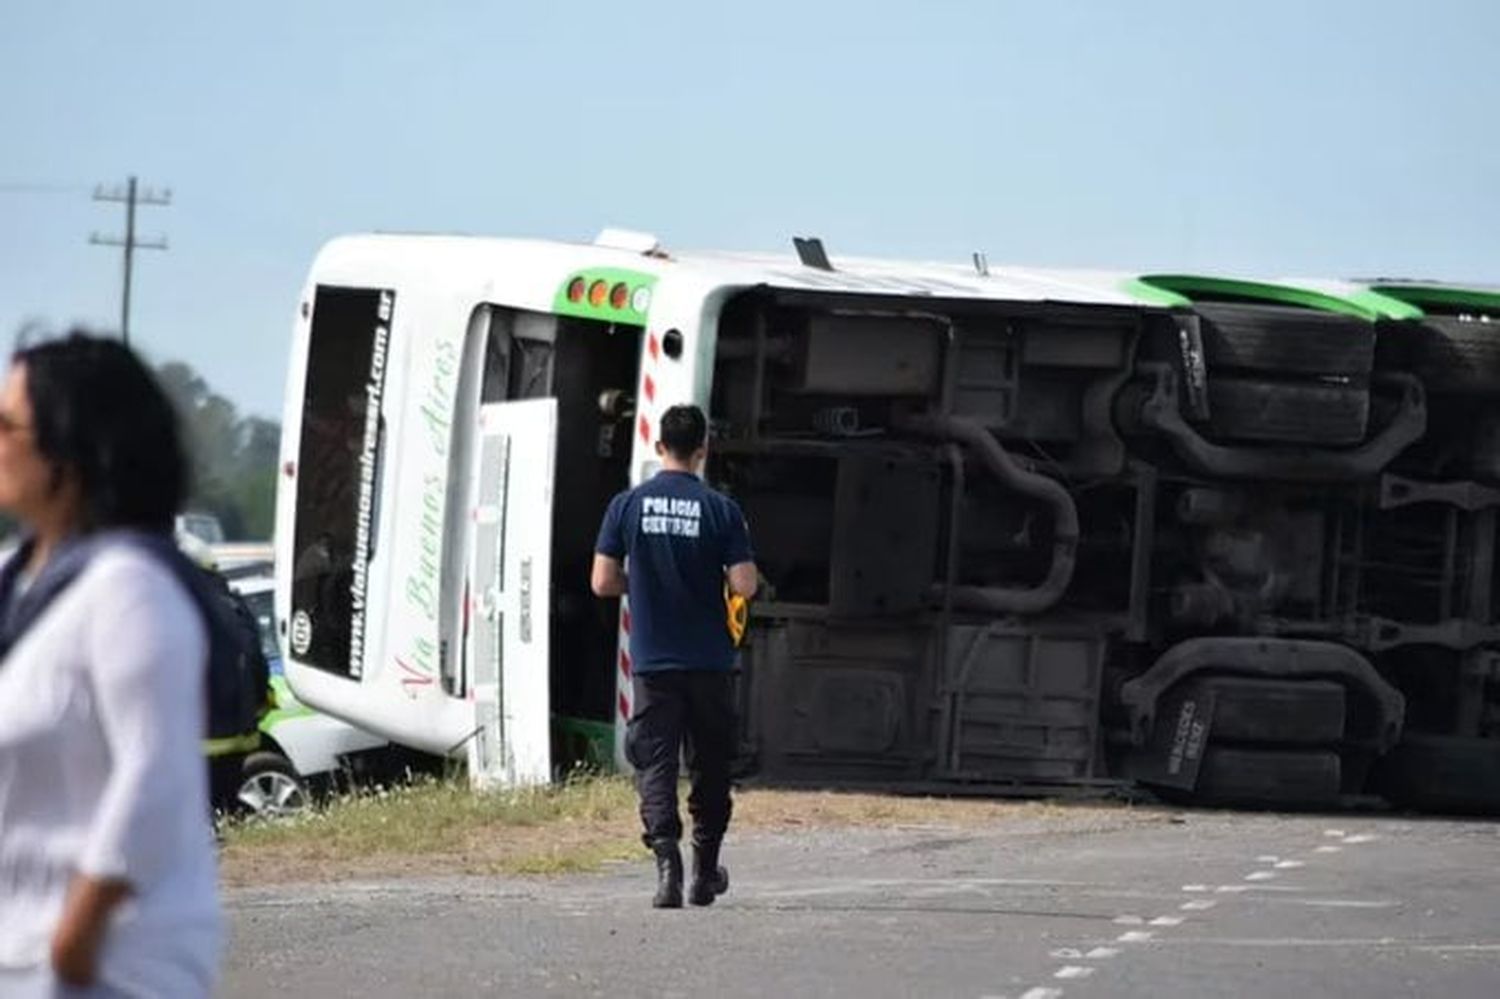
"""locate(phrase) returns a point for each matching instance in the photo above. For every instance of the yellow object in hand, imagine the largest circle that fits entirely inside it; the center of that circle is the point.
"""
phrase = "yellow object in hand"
(737, 615)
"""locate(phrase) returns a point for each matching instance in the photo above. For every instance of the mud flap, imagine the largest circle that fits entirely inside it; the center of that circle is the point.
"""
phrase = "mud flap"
(1174, 755)
(1194, 366)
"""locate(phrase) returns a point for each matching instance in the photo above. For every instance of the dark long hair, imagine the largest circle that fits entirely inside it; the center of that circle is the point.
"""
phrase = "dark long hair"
(99, 414)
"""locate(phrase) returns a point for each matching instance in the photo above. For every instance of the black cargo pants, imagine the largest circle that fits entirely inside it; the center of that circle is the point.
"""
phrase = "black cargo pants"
(689, 711)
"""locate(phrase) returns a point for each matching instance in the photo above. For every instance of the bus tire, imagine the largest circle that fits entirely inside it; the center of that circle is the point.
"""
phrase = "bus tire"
(1441, 773)
(1269, 778)
(1450, 355)
(1288, 412)
(1285, 340)
(1251, 709)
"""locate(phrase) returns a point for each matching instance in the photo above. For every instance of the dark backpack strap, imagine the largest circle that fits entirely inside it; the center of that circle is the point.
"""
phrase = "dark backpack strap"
(19, 611)
(235, 687)
(10, 576)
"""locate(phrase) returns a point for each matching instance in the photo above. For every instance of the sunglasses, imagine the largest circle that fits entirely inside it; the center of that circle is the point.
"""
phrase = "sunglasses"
(10, 426)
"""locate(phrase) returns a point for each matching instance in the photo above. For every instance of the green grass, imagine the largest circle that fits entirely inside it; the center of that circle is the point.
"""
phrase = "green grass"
(573, 826)
(442, 826)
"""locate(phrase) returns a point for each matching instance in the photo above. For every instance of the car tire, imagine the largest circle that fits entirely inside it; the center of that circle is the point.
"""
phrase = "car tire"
(1269, 778)
(1291, 712)
(1285, 340)
(1318, 413)
(270, 787)
(1441, 773)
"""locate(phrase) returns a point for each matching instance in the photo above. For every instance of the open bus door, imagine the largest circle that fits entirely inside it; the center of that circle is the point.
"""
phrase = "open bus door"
(510, 578)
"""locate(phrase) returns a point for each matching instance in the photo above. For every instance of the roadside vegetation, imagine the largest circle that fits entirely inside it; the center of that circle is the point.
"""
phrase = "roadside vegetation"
(233, 454)
(440, 826)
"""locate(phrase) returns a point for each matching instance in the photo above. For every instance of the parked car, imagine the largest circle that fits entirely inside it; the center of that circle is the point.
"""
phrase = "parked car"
(202, 537)
(303, 752)
(203, 526)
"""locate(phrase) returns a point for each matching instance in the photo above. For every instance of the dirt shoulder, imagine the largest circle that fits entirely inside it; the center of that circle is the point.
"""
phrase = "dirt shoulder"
(444, 828)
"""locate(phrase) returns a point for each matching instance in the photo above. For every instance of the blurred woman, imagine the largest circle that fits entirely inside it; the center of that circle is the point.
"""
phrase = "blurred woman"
(107, 864)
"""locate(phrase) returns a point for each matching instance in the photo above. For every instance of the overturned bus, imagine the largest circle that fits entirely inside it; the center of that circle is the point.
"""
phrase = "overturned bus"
(1233, 540)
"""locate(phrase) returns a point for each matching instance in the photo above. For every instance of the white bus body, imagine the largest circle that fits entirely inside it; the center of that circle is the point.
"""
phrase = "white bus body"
(1018, 527)
(416, 500)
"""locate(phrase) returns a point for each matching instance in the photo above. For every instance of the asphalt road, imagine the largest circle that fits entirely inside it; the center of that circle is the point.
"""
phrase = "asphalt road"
(1075, 905)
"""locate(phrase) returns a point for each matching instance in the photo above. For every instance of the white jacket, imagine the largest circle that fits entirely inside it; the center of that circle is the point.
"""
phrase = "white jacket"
(102, 773)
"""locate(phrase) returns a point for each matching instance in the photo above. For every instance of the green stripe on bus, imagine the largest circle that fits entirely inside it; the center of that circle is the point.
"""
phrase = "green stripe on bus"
(1150, 294)
(1445, 296)
(1184, 289)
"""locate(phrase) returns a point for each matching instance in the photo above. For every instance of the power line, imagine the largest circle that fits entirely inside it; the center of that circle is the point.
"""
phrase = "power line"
(130, 195)
(22, 187)
(26, 187)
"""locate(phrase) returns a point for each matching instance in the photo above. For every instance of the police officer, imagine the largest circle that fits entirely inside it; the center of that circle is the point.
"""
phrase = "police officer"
(672, 544)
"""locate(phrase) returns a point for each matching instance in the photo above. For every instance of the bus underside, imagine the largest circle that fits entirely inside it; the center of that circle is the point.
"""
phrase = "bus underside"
(1237, 552)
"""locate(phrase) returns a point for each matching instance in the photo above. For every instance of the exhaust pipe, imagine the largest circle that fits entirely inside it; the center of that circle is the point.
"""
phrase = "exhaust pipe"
(1001, 599)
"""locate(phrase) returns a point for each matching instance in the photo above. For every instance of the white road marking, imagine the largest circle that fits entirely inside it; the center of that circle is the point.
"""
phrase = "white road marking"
(1074, 971)
(854, 886)
(1375, 943)
(1257, 879)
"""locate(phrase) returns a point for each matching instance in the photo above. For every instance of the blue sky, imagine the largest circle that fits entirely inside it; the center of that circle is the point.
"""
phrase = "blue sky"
(1273, 137)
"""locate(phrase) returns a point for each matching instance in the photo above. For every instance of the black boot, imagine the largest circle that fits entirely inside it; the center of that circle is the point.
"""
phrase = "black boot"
(668, 875)
(709, 879)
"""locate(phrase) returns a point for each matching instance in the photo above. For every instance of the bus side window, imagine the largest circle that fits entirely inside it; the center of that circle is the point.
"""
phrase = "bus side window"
(518, 357)
(496, 382)
(531, 372)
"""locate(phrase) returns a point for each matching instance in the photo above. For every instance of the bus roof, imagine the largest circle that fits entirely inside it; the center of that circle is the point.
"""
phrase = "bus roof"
(535, 269)
(466, 259)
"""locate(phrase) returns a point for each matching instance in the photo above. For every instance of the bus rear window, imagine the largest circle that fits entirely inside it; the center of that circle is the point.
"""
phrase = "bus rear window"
(337, 486)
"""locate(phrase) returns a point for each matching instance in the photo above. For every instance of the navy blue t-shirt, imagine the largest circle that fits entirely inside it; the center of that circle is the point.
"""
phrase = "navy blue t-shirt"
(679, 536)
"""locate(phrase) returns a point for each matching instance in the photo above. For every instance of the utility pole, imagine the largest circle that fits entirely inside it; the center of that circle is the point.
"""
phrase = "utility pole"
(131, 195)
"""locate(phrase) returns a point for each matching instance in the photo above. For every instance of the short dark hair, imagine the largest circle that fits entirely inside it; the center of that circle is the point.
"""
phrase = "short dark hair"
(99, 413)
(684, 429)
